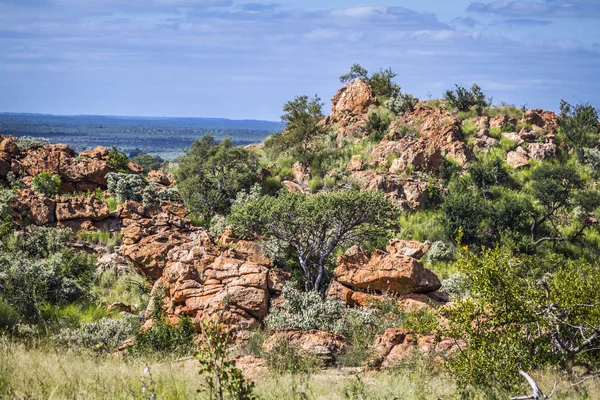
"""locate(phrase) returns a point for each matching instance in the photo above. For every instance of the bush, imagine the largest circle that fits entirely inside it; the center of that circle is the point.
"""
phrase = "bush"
(46, 183)
(150, 196)
(211, 173)
(148, 161)
(285, 357)
(25, 142)
(106, 335)
(309, 311)
(126, 186)
(401, 104)
(440, 251)
(118, 159)
(8, 316)
(166, 339)
(463, 99)
(218, 224)
(376, 127)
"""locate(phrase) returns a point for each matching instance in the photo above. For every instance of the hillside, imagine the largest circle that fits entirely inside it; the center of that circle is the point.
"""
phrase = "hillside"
(448, 239)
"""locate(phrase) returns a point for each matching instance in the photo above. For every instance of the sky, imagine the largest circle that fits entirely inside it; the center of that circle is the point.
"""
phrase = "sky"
(244, 60)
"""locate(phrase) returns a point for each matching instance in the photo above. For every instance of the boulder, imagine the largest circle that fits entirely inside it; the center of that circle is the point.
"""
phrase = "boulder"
(356, 163)
(41, 209)
(381, 272)
(484, 143)
(160, 177)
(73, 208)
(408, 193)
(349, 107)
(113, 262)
(408, 248)
(517, 159)
(99, 153)
(324, 345)
(542, 151)
(300, 172)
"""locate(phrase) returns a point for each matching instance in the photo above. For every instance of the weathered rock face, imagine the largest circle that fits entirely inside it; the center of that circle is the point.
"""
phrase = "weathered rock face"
(149, 234)
(70, 208)
(408, 193)
(517, 159)
(396, 345)
(349, 107)
(324, 345)
(437, 135)
(83, 173)
(201, 279)
(364, 278)
(380, 271)
(160, 178)
(41, 209)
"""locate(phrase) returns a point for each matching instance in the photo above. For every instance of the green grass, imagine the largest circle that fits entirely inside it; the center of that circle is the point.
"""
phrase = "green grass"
(43, 373)
(109, 239)
(421, 226)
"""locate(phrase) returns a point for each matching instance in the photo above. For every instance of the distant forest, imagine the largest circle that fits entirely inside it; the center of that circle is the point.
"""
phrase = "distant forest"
(166, 137)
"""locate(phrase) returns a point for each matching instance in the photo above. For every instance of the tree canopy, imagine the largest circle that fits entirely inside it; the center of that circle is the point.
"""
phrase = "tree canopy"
(211, 173)
(315, 226)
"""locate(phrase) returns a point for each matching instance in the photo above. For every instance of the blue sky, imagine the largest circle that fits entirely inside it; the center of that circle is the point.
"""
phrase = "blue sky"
(236, 59)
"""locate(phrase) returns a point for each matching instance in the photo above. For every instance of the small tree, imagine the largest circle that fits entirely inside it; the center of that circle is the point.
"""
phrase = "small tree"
(315, 226)
(383, 85)
(356, 71)
(46, 183)
(211, 173)
(148, 161)
(579, 127)
(118, 159)
(302, 117)
(463, 99)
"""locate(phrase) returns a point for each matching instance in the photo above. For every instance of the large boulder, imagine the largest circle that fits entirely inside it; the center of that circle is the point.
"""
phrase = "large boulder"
(321, 344)
(382, 272)
(39, 208)
(408, 193)
(349, 107)
(71, 208)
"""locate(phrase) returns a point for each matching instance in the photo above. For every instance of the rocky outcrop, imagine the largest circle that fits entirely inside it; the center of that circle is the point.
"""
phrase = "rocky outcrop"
(362, 278)
(160, 178)
(321, 344)
(90, 208)
(408, 193)
(198, 277)
(436, 134)
(349, 108)
(39, 208)
(517, 159)
(84, 173)
(396, 345)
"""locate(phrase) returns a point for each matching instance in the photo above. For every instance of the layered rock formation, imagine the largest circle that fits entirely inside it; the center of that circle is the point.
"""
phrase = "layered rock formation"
(349, 108)
(363, 278)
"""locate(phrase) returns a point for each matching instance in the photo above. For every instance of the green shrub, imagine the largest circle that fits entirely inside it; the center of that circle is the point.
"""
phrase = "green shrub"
(285, 357)
(25, 142)
(8, 316)
(150, 196)
(148, 161)
(401, 103)
(218, 224)
(118, 159)
(211, 173)
(42, 242)
(46, 183)
(126, 186)
(463, 99)
(106, 335)
(166, 339)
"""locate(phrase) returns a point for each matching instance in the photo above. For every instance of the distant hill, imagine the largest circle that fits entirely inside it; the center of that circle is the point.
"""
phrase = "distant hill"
(164, 136)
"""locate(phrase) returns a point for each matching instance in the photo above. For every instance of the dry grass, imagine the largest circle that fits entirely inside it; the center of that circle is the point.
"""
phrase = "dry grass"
(50, 374)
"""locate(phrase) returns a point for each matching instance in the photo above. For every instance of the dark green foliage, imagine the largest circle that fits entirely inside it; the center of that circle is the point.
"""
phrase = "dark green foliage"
(166, 339)
(449, 169)
(464, 209)
(211, 174)
(356, 71)
(302, 117)
(148, 161)
(488, 173)
(126, 186)
(525, 312)
(46, 183)
(39, 270)
(579, 126)
(383, 85)
(376, 127)
(339, 218)
(118, 159)
(463, 99)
